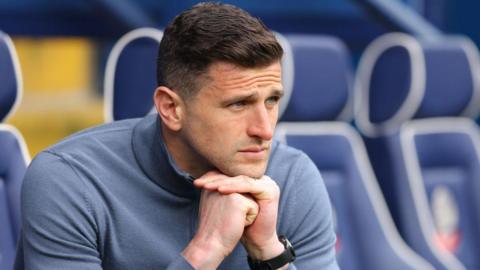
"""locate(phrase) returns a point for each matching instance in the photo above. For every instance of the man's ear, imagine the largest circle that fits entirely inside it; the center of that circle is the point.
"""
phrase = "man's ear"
(169, 106)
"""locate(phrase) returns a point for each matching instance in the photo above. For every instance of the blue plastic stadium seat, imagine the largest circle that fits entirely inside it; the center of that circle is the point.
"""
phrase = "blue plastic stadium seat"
(13, 154)
(131, 75)
(427, 167)
(326, 59)
(442, 161)
(316, 113)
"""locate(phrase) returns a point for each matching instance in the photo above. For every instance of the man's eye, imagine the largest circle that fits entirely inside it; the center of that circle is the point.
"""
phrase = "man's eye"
(272, 100)
(237, 105)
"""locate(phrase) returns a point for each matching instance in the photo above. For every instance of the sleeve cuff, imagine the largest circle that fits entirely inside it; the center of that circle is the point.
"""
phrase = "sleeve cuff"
(180, 264)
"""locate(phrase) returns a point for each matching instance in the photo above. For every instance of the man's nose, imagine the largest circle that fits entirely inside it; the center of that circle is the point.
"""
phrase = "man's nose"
(259, 125)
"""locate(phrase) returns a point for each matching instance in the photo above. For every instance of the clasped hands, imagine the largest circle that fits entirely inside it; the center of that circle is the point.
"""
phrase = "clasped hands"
(234, 209)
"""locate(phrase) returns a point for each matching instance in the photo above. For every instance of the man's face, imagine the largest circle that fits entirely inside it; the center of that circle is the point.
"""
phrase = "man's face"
(229, 123)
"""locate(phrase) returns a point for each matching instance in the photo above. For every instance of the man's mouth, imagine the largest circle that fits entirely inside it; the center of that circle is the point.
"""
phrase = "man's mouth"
(254, 152)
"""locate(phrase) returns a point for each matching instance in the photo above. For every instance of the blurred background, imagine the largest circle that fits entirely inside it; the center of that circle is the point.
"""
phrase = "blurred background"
(63, 45)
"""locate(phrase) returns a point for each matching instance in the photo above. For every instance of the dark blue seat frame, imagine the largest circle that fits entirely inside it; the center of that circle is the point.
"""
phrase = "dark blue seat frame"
(13, 155)
(444, 154)
(401, 78)
(365, 230)
(130, 75)
(322, 92)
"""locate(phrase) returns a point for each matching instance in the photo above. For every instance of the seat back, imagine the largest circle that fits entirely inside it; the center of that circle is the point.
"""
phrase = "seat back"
(442, 161)
(366, 235)
(321, 68)
(13, 154)
(401, 78)
(10, 77)
(320, 100)
(130, 75)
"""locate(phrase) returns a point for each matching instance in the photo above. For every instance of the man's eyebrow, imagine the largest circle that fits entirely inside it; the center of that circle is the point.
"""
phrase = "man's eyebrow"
(278, 92)
(237, 98)
(240, 97)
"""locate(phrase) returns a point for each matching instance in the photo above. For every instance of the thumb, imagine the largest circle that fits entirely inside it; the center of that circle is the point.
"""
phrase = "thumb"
(252, 212)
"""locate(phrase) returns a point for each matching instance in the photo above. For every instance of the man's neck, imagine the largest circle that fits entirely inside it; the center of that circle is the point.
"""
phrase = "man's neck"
(186, 158)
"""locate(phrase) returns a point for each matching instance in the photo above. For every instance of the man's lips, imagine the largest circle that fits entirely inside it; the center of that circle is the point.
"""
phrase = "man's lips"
(254, 149)
(258, 153)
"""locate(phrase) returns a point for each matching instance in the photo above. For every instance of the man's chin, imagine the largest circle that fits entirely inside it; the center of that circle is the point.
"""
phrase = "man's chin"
(248, 170)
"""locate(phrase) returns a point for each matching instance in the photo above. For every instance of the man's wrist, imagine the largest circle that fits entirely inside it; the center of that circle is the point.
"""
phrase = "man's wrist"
(265, 252)
(203, 255)
(280, 262)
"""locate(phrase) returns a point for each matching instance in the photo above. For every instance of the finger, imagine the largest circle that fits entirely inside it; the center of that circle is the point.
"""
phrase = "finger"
(214, 181)
(239, 187)
(208, 177)
(260, 190)
(266, 178)
(221, 181)
(215, 184)
(252, 212)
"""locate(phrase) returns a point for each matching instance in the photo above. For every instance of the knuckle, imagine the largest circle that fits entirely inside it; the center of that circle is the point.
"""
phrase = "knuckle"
(235, 197)
(238, 202)
(275, 188)
(267, 178)
(248, 180)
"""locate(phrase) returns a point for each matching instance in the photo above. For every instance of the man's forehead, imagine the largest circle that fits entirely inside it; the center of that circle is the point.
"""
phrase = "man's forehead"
(224, 80)
(227, 67)
(226, 75)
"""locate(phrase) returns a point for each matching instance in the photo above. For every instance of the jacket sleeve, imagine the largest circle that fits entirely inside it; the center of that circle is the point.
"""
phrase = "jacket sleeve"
(180, 264)
(59, 224)
(59, 230)
(307, 218)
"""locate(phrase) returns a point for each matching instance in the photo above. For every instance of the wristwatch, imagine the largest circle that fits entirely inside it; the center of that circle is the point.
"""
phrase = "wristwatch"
(287, 256)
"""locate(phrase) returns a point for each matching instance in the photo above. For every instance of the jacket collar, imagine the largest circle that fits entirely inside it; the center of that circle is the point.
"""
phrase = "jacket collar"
(153, 157)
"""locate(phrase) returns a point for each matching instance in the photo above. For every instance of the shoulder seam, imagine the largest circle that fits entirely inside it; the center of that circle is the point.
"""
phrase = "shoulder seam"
(295, 185)
(297, 174)
(91, 132)
(84, 193)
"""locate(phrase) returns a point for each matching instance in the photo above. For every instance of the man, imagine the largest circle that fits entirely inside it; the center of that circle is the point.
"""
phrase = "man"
(201, 184)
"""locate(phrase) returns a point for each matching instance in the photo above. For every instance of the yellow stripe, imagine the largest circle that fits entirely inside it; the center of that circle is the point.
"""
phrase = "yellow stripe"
(58, 97)
(55, 64)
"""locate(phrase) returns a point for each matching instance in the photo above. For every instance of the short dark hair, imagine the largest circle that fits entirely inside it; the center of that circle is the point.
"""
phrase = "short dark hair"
(208, 33)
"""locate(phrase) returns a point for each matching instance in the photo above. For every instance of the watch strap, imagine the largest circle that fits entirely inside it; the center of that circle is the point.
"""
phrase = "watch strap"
(287, 256)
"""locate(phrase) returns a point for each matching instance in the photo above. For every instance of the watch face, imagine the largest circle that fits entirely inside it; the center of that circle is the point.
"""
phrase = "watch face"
(288, 246)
